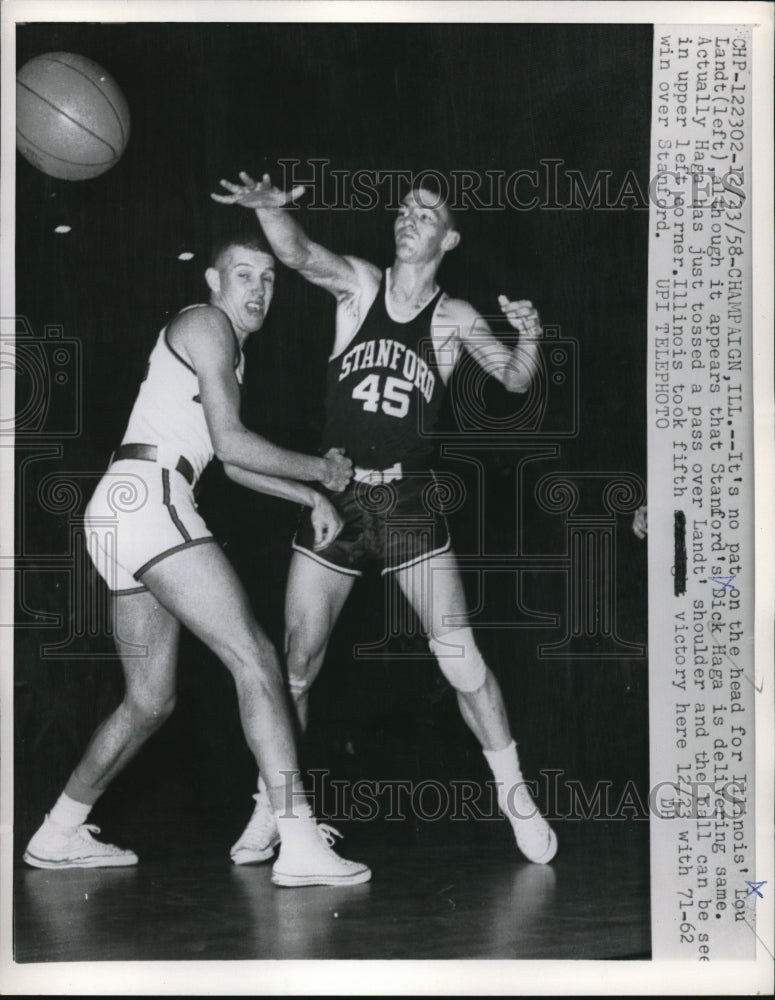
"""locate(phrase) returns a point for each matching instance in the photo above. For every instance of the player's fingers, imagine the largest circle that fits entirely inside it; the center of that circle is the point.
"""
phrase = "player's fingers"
(296, 192)
(504, 300)
(525, 318)
(235, 189)
(528, 315)
(246, 179)
(323, 536)
(228, 199)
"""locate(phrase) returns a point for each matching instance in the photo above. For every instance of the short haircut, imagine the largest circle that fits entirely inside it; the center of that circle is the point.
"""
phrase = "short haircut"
(253, 239)
(438, 186)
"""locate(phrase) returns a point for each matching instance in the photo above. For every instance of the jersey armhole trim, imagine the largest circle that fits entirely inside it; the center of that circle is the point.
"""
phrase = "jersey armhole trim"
(356, 331)
(238, 354)
(174, 353)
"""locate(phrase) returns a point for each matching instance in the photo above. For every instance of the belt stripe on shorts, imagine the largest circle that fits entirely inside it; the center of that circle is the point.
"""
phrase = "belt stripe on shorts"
(149, 453)
(165, 482)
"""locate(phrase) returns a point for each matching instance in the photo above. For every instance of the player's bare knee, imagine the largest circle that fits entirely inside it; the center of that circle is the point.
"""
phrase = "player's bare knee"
(260, 674)
(302, 652)
(150, 709)
(459, 659)
(250, 657)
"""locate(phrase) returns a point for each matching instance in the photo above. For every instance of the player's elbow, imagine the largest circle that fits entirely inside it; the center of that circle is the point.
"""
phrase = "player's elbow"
(518, 373)
(294, 255)
(226, 448)
(227, 456)
(515, 381)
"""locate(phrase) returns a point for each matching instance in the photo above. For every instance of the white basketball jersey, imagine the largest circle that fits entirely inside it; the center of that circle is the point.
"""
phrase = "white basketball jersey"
(168, 411)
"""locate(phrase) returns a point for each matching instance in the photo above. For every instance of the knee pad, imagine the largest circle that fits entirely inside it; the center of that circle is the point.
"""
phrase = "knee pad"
(460, 659)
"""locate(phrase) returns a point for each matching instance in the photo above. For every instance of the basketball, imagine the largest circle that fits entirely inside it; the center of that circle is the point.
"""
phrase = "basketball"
(72, 120)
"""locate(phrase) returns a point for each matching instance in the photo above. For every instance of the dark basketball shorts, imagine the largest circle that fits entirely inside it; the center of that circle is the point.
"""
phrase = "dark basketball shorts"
(393, 525)
(140, 513)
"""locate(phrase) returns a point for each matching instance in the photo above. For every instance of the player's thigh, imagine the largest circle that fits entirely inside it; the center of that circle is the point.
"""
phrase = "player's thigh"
(314, 598)
(200, 587)
(434, 589)
(147, 639)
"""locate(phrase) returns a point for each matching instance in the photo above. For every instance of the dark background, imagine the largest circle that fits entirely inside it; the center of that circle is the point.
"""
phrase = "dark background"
(206, 101)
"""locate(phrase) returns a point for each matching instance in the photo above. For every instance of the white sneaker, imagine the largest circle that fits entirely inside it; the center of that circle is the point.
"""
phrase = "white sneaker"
(260, 836)
(55, 846)
(535, 838)
(309, 860)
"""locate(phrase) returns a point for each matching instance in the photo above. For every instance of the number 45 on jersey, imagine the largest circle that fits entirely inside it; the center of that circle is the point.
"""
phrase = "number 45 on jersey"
(392, 398)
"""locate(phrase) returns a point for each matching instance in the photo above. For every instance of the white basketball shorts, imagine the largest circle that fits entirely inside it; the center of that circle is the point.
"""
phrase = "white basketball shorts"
(140, 513)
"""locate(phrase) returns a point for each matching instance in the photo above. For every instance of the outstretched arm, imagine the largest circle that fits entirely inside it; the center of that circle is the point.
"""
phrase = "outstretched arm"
(288, 240)
(207, 339)
(325, 520)
(513, 368)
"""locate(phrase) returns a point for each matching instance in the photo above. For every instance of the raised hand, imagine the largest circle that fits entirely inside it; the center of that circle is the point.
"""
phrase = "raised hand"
(522, 316)
(326, 522)
(256, 194)
(339, 470)
(640, 522)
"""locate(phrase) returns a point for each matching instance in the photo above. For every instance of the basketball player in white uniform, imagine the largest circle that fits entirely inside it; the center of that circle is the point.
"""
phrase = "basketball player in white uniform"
(398, 338)
(158, 557)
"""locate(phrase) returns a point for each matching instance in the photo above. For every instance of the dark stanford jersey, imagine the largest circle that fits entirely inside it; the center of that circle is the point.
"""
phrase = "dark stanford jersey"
(384, 391)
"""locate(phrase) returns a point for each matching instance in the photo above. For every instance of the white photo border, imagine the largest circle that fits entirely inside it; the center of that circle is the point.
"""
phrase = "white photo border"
(395, 977)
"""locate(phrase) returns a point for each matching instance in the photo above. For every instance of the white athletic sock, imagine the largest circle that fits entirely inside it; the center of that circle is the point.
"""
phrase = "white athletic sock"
(535, 838)
(297, 829)
(289, 800)
(297, 811)
(504, 765)
(69, 812)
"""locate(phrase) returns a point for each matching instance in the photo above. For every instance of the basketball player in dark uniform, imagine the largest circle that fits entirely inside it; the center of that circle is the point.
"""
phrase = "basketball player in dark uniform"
(398, 338)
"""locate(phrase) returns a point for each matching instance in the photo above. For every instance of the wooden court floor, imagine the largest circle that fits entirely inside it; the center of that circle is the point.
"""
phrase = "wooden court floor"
(464, 901)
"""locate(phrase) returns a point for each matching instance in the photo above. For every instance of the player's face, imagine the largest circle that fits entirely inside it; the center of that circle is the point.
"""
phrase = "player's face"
(421, 227)
(245, 286)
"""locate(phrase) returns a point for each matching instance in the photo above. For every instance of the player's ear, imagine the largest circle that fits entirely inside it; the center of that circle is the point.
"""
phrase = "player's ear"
(213, 279)
(451, 240)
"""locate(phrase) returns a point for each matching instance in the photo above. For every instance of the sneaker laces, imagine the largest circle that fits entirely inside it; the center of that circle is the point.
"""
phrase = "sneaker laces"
(524, 802)
(86, 832)
(328, 833)
(533, 833)
(517, 802)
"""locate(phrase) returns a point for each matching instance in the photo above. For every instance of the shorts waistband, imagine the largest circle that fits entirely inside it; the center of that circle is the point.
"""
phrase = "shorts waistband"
(150, 453)
(396, 471)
